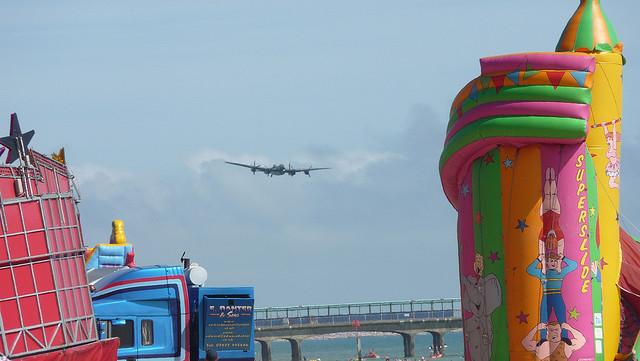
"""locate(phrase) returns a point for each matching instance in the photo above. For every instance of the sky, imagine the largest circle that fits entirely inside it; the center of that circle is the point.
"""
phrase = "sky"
(149, 98)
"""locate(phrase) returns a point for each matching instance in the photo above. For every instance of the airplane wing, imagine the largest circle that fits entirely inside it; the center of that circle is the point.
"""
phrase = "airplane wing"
(306, 171)
(252, 167)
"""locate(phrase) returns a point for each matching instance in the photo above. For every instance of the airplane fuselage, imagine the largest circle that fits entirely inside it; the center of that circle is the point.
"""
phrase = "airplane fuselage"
(276, 170)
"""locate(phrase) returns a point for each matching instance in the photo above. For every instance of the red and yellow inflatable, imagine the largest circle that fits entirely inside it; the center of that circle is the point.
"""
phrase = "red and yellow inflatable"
(531, 162)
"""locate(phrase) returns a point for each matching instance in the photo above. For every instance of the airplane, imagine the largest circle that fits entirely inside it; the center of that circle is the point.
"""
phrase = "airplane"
(279, 169)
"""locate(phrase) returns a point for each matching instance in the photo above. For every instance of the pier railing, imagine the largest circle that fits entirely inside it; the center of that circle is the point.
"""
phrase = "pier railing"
(340, 314)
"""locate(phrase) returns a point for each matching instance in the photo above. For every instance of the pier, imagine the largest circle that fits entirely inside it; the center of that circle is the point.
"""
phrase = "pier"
(406, 318)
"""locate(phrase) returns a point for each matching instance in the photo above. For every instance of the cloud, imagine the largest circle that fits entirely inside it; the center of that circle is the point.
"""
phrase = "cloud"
(100, 181)
(202, 158)
(348, 165)
(375, 220)
(345, 165)
(87, 173)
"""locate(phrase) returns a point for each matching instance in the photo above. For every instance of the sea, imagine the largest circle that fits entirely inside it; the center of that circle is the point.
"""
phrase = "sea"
(387, 345)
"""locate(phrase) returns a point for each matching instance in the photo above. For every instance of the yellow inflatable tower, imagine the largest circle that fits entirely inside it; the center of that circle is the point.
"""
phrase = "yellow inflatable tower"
(589, 31)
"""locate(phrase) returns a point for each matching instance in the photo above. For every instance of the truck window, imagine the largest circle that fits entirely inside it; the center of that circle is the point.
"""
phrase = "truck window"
(124, 331)
(147, 332)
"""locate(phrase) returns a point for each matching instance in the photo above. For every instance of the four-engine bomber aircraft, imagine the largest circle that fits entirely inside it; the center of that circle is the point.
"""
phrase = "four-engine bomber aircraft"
(276, 169)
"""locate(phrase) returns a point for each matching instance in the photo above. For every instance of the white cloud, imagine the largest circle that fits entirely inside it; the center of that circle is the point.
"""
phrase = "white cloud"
(110, 184)
(198, 161)
(347, 165)
(102, 182)
(91, 172)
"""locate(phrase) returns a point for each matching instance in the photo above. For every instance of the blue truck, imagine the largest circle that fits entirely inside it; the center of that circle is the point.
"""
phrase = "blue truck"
(164, 313)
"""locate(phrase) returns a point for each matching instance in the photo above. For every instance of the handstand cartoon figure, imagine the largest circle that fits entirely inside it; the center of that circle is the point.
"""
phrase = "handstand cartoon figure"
(551, 256)
(556, 347)
(613, 166)
(551, 239)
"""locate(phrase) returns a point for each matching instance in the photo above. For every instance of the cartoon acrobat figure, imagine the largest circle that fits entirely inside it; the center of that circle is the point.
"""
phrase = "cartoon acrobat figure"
(551, 256)
(555, 347)
(613, 166)
(481, 296)
(551, 239)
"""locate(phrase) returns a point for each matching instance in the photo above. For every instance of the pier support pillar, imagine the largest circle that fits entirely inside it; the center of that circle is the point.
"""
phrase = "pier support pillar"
(409, 340)
(437, 349)
(265, 349)
(296, 349)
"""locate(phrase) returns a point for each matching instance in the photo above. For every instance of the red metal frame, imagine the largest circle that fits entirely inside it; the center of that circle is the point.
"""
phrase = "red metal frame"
(44, 296)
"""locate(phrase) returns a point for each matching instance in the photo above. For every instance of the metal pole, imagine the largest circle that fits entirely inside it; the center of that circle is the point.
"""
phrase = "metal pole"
(358, 346)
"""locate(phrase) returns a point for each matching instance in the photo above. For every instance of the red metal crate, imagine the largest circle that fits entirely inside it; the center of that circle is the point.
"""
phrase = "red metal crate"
(44, 295)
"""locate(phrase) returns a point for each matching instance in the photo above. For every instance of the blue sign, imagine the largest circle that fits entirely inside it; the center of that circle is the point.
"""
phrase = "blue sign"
(228, 324)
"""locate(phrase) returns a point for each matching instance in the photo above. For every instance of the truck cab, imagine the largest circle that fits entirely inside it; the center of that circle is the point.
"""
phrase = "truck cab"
(159, 314)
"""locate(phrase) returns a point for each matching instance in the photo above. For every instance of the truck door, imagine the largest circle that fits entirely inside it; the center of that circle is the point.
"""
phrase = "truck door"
(125, 330)
(158, 337)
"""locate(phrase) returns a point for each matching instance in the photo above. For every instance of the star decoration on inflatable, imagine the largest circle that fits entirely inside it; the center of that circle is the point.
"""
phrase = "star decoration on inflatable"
(522, 317)
(508, 163)
(493, 256)
(488, 159)
(17, 142)
(592, 211)
(522, 224)
(574, 314)
(465, 190)
(478, 217)
(602, 263)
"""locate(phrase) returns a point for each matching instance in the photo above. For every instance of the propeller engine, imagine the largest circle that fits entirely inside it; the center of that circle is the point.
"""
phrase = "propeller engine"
(290, 171)
(254, 168)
